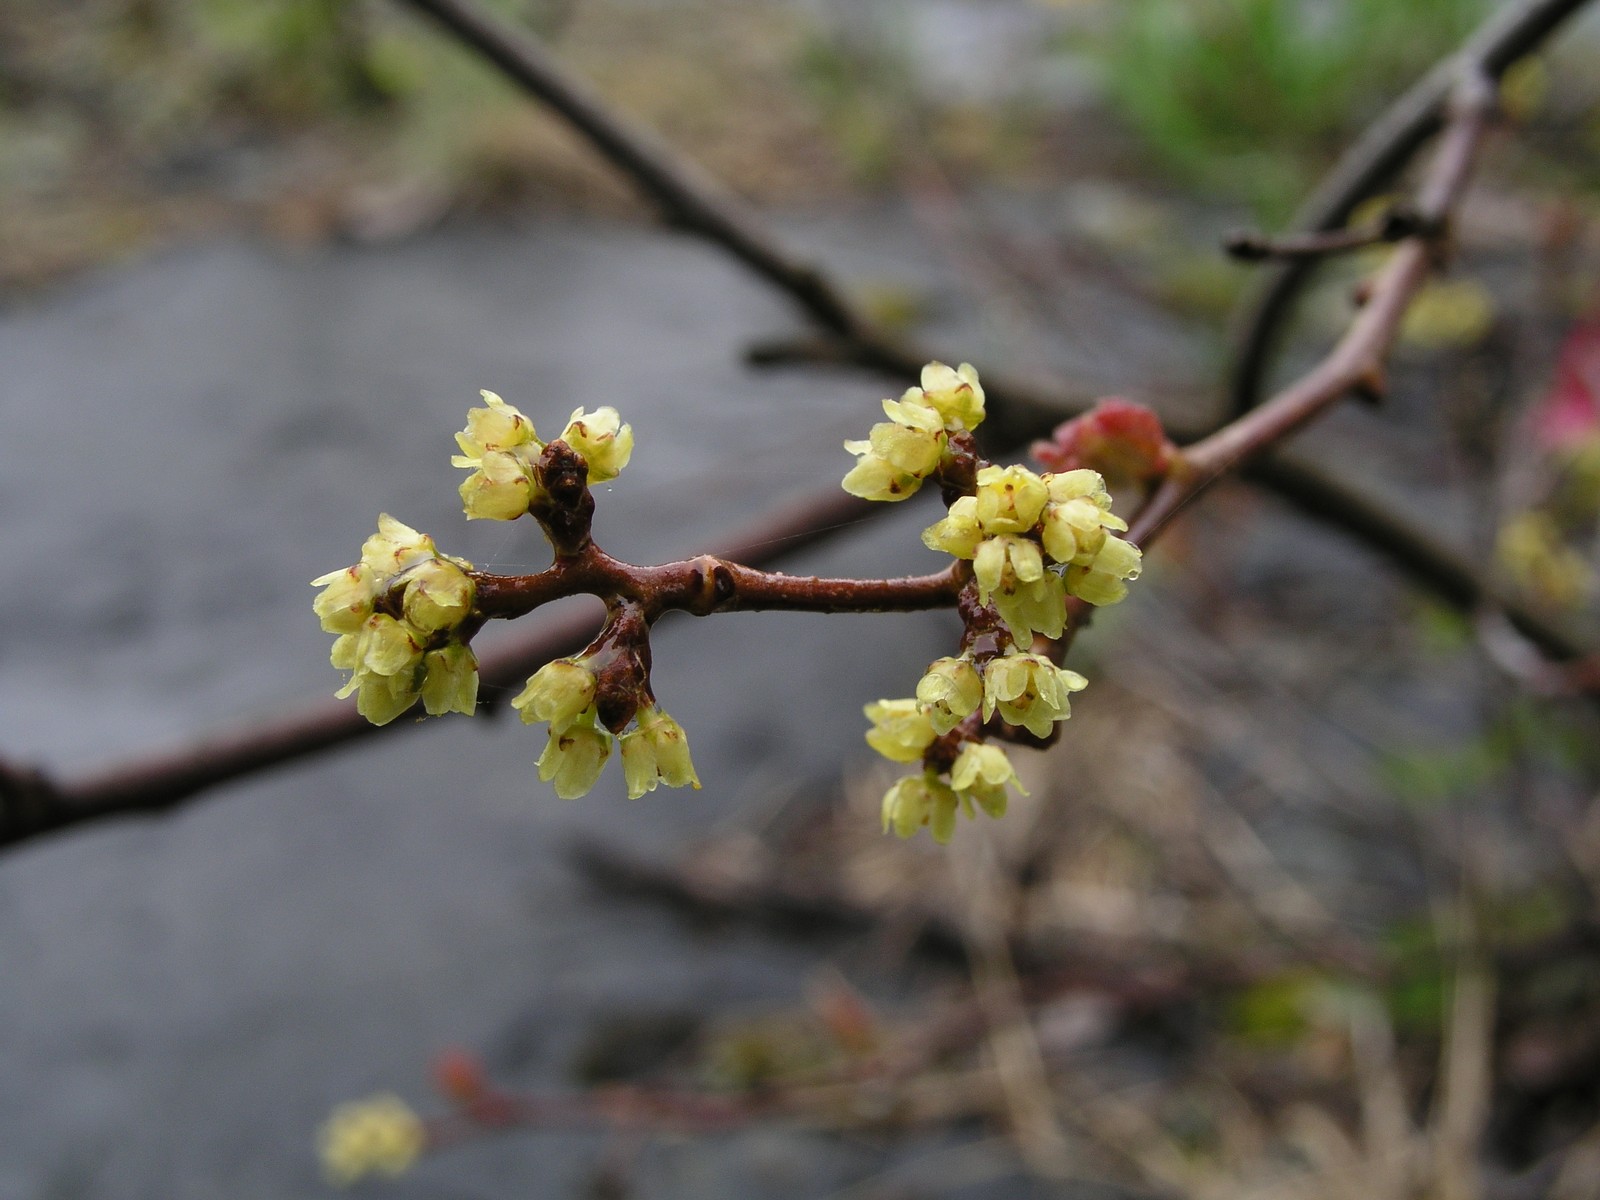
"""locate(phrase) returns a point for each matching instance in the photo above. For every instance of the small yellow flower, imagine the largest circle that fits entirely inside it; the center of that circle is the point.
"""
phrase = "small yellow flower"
(1101, 582)
(500, 445)
(386, 646)
(394, 547)
(1533, 552)
(501, 489)
(604, 441)
(1010, 499)
(450, 680)
(950, 692)
(346, 599)
(495, 427)
(573, 758)
(956, 395)
(377, 1136)
(900, 731)
(980, 774)
(1038, 606)
(1003, 562)
(919, 800)
(959, 532)
(438, 595)
(898, 453)
(557, 692)
(382, 698)
(1077, 517)
(1029, 690)
(656, 752)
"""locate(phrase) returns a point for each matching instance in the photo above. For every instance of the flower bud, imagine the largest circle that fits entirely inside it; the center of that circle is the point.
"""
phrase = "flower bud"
(956, 395)
(573, 758)
(557, 692)
(495, 427)
(438, 596)
(394, 547)
(656, 752)
(451, 680)
(501, 489)
(1010, 499)
(604, 441)
(919, 800)
(346, 599)
(378, 1136)
(980, 773)
(949, 693)
(959, 532)
(1029, 690)
(900, 730)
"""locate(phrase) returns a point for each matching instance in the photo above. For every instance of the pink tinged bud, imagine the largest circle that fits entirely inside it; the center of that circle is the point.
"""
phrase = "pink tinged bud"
(572, 760)
(1122, 440)
(1570, 413)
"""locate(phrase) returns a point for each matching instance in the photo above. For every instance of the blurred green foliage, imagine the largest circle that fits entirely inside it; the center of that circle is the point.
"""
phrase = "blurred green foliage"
(1250, 98)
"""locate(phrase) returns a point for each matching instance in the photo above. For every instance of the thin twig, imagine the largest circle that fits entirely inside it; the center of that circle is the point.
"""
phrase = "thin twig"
(1357, 361)
(1377, 156)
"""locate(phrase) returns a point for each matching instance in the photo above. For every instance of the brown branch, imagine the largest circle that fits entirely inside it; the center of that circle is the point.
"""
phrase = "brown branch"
(1388, 144)
(709, 584)
(1249, 246)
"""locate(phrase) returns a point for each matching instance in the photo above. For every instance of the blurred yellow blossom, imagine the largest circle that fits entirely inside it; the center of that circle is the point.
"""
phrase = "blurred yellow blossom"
(376, 1136)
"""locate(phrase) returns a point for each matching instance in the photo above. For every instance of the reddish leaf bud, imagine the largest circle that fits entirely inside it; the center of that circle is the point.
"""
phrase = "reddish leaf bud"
(1122, 440)
(459, 1076)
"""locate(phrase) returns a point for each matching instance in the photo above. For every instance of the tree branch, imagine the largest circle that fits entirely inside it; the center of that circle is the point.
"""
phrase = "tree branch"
(1357, 361)
(1387, 145)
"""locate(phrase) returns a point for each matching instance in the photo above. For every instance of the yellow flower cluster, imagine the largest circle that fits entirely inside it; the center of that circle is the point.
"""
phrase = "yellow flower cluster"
(1027, 690)
(395, 614)
(376, 1136)
(500, 447)
(1034, 540)
(898, 454)
(562, 692)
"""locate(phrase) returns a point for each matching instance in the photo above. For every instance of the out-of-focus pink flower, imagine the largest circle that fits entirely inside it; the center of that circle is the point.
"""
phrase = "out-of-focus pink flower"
(1570, 412)
(1122, 440)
